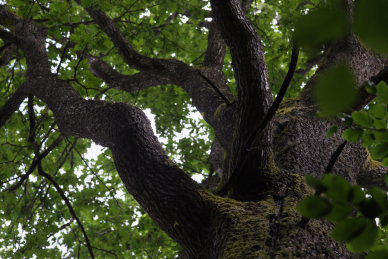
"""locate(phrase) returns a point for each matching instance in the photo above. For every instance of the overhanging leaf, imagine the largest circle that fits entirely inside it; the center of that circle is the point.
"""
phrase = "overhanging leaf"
(370, 23)
(314, 207)
(336, 90)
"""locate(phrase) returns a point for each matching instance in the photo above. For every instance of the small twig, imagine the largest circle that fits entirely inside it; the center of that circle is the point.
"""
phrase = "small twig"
(35, 162)
(334, 157)
(215, 88)
(98, 178)
(63, 55)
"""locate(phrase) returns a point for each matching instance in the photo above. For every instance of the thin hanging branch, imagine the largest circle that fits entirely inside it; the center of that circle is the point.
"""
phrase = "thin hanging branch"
(257, 133)
(69, 206)
(214, 87)
(253, 139)
(334, 157)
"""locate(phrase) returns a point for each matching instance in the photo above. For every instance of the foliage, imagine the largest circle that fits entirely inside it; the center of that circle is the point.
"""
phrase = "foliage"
(360, 216)
(34, 220)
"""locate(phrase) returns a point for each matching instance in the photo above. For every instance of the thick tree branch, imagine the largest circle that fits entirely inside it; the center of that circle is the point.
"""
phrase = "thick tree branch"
(11, 105)
(216, 49)
(255, 97)
(373, 176)
(204, 98)
(255, 137)
(170, 196)
(7, 53)
(364, 96)
(363, 63)
(128, 83)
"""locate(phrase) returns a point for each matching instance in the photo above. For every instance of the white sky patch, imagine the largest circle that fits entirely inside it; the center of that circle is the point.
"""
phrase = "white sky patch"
(198, 177)
(93, 152)
(183, 18)
(151, 117)
(207, 7)
(146, 13)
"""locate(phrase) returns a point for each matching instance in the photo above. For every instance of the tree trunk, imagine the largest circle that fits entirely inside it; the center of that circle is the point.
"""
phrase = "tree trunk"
(262, 182)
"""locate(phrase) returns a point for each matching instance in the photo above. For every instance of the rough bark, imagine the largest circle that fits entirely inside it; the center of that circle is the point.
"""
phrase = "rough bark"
(261, 220)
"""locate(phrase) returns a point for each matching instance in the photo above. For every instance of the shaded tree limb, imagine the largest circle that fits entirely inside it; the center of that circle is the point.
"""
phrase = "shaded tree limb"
(128, 83)
(7, 53)
(159, 186)
(365, 97)
(254, 93)
(258, 132)
(69, 206)
(216, 49)
(206, 100)
(11, 105)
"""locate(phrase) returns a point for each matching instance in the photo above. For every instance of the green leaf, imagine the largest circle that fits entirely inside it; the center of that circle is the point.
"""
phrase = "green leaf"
(380, 151)
(349, 229)
(356, 195)
(362, 118)
(385, 161)
(380, 254)
(382, 92)
(339, 212)
(365, 240)
(378, 110)
(352, 135)
(332, 131)
(380, 124)
(322, 25)
(370, 208)
(367, 139)
(336, 90)
(370, 23)
(381, 135)
(317, 184)
(380, 197)
(314, 207)
(338, 188)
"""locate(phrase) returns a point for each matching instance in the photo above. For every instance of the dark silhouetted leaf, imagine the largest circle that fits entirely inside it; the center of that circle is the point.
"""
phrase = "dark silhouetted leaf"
(370, 23)
(314, 207)
(335, 90)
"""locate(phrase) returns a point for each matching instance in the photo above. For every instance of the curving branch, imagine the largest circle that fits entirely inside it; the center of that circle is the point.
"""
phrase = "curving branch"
(204, 98)
(128, 83)
(255, 96)
(170, 196)
(255, 137)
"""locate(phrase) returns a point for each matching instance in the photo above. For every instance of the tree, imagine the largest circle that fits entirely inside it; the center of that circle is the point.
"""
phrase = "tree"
(77, 70)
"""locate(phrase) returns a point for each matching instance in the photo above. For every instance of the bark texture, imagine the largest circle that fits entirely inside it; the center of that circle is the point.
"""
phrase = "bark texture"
(264, 182)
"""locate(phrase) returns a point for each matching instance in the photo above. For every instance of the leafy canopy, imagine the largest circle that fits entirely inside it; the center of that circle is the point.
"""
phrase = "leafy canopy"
(34, 220)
